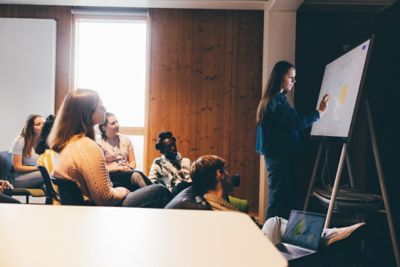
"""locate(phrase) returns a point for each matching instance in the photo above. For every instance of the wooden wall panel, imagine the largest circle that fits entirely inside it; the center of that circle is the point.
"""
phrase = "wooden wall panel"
(205, 84)
(246, 84)
(63, 17)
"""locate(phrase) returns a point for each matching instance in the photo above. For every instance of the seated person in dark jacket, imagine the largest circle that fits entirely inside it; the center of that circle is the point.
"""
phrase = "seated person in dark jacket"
(210, 189)
(188, 199)
(4, 186)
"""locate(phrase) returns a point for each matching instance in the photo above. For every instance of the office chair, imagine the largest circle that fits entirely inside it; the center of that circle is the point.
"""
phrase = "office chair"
(52, 196)
(69, 193)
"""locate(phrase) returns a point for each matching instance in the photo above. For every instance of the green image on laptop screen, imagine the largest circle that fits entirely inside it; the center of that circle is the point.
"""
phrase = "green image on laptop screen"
(304, 229)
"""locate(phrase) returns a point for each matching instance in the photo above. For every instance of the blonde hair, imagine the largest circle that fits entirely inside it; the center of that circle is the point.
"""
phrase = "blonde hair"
(74, 118)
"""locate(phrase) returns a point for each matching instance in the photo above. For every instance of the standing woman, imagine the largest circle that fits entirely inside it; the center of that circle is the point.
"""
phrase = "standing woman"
(82, 161)
(279, 137)
(26, 175)
(119, 155)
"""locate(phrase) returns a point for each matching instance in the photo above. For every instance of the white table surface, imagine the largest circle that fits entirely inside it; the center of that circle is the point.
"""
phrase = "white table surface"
(39, 235)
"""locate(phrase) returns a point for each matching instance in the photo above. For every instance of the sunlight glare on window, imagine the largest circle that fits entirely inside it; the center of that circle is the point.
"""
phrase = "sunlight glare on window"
(111, 59)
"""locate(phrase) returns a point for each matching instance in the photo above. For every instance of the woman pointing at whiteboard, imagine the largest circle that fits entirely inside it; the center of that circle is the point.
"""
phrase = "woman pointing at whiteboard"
(279, 136)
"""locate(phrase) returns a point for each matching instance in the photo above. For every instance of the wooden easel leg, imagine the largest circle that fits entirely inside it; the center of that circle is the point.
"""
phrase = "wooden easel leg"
(336, 185)
(314, 173)
(382, 184)
(350, 171)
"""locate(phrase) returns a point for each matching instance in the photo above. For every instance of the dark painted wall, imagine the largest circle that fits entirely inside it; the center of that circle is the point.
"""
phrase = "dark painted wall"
(324, 35)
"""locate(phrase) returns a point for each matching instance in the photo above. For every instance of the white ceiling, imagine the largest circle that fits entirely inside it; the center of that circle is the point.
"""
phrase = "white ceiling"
(202, 4)
(276, 5)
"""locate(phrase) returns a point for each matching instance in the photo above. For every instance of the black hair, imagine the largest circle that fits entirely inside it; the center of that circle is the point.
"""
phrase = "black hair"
(161, 137)
(42, 143)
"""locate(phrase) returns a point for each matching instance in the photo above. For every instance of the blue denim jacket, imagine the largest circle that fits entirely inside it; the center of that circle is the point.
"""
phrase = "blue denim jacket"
(280, 133)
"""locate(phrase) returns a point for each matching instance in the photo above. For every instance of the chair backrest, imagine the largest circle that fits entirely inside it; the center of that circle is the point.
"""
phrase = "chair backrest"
(5, 165)
(69, 192)
(50, 193)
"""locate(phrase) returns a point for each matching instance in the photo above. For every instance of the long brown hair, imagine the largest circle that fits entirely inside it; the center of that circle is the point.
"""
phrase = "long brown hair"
(27, 133)
(74, 118)
(273, 86)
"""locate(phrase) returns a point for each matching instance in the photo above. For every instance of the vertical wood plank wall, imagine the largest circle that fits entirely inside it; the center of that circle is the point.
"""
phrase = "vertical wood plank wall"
(205, 84)
(63, 17)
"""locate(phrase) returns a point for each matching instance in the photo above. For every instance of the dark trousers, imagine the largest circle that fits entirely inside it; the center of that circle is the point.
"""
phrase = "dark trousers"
(180, 187)
(152, 196)
(125, 179)
(7, 199)
(281, 186)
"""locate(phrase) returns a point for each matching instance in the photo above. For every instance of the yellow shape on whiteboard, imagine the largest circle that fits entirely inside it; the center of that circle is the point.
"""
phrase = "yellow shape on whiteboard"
(343, 93)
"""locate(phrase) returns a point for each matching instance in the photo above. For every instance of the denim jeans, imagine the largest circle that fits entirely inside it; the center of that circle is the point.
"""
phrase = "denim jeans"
(281, 185)
(28, 180)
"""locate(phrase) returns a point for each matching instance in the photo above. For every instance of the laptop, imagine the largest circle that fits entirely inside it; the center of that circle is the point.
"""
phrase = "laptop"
(302, 234)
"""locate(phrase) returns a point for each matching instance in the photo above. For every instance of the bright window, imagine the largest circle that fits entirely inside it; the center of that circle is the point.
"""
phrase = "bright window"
(110, 57)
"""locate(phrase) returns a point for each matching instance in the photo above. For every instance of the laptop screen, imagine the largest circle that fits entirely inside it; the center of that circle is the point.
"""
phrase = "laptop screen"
(304, 229)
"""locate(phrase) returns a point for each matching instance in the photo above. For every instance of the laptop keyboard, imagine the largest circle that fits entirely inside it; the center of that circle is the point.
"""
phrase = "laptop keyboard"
(291, 252)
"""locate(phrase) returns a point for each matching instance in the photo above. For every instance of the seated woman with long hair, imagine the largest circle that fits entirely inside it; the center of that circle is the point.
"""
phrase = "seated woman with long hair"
(82, 161)
(26, 175)
(120, 156)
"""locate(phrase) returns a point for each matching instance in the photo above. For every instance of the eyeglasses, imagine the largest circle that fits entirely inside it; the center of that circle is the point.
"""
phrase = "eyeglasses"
(225, 170)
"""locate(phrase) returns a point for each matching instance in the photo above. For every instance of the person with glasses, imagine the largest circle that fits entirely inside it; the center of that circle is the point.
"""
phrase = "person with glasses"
(280, 137)
(211, 187)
